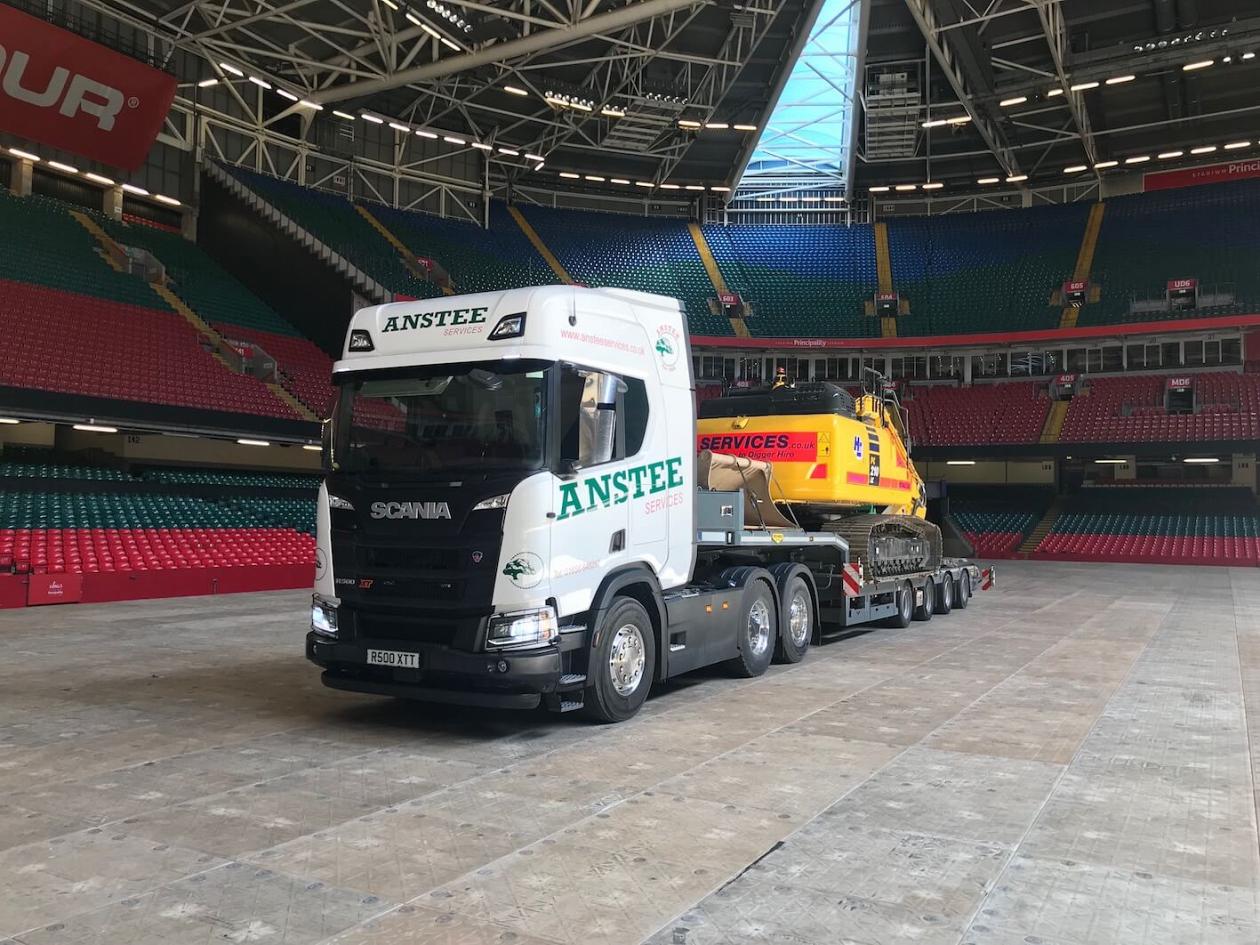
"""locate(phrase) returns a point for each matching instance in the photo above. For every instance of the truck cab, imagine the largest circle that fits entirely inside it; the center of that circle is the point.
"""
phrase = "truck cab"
(499, 469)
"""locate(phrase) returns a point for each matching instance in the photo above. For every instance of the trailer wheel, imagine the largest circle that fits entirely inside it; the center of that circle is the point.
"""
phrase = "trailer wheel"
(905, 607)
(796, 623)
(757, 628)
(622, 663)
(945, 596)
(963, 597)
(923, 613)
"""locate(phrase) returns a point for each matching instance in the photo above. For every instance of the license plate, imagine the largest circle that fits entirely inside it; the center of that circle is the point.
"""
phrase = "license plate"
(393, 658)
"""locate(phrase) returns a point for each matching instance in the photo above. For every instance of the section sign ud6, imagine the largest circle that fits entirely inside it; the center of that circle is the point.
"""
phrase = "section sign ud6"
(67, 92)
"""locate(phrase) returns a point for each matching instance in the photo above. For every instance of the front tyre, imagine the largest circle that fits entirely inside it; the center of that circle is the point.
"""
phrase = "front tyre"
(622, 663)
(757, 628)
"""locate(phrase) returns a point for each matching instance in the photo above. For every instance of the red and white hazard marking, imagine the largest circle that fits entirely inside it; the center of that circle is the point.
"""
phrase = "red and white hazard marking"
(988, 577)
(852, 577)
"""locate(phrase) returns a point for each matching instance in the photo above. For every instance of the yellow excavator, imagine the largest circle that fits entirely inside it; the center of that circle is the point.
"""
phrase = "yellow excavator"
(840, 464)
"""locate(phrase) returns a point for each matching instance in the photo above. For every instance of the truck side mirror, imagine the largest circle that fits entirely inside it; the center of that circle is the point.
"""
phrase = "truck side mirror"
(597, 418)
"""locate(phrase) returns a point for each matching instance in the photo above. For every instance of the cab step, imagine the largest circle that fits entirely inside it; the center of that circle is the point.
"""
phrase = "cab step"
(569, 705)
(574, 680)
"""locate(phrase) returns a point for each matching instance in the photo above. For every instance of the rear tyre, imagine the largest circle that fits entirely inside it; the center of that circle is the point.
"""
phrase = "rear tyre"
(757, 627)
(622, 663)
(963, 597)
(905, 607)
(923, 613)
(945, 596)
(796, 622)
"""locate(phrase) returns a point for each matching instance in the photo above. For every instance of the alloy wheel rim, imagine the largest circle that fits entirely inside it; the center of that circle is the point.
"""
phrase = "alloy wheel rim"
(626, 659)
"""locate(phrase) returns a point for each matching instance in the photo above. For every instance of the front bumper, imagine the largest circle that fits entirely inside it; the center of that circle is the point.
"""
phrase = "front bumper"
(445, 675)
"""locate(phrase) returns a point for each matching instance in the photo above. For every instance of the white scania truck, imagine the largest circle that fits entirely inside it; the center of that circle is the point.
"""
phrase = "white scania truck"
(512, 515)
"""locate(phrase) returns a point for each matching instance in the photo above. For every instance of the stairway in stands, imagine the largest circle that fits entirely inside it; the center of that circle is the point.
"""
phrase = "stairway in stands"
(1043, 527)
(1084, 260)
(1054, 421)
(883, 268)
(404, 252)
(537, 241)
(715, 275)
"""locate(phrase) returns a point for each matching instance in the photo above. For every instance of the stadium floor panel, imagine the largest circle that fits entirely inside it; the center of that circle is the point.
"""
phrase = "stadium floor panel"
(1068, 761)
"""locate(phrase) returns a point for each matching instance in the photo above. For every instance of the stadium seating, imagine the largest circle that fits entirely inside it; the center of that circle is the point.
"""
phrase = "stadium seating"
(1014, 412)
(231, 477)
(804, 281)
(333, 220)
(477, 259)
(995, 534)
(306, 370)
(1207, 233)
(650, 254)
(1157, 525)
(42, 244)
(984, 272)
(79, 344)
(1131, 409)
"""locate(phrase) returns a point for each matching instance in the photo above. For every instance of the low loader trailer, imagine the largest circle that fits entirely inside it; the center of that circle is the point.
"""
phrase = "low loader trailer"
(514, 513)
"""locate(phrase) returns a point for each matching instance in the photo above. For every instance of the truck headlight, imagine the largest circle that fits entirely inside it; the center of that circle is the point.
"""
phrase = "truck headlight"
(494, 502)
(523, 629)
(337, 502)
(324, 615)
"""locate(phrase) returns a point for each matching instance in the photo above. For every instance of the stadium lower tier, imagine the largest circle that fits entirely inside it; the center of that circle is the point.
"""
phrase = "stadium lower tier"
(93, 565)
(995, 534)
(1238, 551)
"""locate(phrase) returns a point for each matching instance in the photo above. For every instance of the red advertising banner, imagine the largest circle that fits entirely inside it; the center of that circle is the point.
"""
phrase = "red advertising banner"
(768, 447)
(1180, 383)
(1177, 284)
(67, 92)
(54, 589)
(1192, 176)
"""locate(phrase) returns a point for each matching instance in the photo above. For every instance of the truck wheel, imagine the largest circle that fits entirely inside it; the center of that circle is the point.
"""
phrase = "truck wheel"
(905, 607)
(796, 623)
(963, 597)
(622, 664)
(756, 627)
(945, 596)
(924, 611)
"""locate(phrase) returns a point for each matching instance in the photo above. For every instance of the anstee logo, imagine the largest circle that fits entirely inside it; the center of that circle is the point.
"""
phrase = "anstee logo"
(69, 94)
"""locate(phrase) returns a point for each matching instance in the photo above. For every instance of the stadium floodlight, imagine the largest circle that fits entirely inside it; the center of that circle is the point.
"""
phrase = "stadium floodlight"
(513, 90)
(1075, 169)
(24, 155)
(612, 112)
(99, 178)
(1103, 165)
(63, 167)
(1232, 146)
(1137, 159)
(232, 70)
(1169, 155)
(1201, 64)
(1120, 79)
(1204, 149)
(1016, 100)
(988, 180)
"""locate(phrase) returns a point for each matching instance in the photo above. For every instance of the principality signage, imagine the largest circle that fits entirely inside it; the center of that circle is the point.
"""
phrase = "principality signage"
(67, 92)
(1192, 176)
(54, 589)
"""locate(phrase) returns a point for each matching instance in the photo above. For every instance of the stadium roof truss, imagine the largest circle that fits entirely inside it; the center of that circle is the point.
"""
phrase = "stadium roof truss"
(595, 86)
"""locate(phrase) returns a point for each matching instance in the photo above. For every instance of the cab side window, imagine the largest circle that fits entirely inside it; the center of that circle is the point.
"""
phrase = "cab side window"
(603, 417)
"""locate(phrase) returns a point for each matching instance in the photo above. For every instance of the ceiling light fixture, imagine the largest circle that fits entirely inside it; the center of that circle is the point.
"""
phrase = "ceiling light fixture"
(669, 186)
(482, 147)
(594, 177)
(285, 93)
(1201, 459)
(344, 115)
(10, 420)
(905, 187)
(426, 134)
(1205, 149)
(397, 126)
(988, 180)
(373, 119)
(419, 22)
(533, 157)
(695, 187)
(513, 90)
(1201, 64)
(960, 462)
(934, 123)
(428, 29)
(206, 83)
(582, 106)
(716, 125)
(1083, 86)
(63, 167)
(231, 69)
(261, 83)
(393, 6)
(1017, 100)
(1120, 79)
(1016, 178)
(744, 127)
(451, 139)
(620, 180)
(169, 201)
(933, 185)
(1138, 159)
(1053, 92)
(100, 179)
(509, 152)
(1248, 55)
(687, 123)
(880, 189)
(450, 44)
(315, 447)
(1075, 169)
(1111, 462)
(24, 155)
(133, 189)
(958, 120)
(569, 175)
(95, 428)
(720, 190)
(644, 183)
(1168, 155)
(1103, 165)
(246, 441)
(1232, 146)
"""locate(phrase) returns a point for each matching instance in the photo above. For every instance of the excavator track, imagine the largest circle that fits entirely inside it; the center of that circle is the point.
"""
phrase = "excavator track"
(889, 545)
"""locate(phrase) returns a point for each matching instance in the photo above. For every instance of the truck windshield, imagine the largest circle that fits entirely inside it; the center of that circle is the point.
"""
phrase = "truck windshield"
(447, 420)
